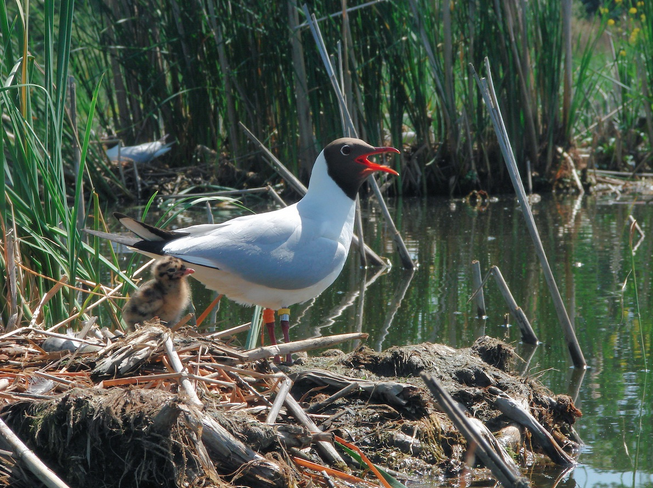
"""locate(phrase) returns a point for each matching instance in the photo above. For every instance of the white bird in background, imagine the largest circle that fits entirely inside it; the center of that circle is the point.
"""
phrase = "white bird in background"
(143, 153)
(165, 296)
(279, 258)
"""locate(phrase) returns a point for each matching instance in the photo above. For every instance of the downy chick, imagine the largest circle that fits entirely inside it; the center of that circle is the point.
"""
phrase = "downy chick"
(166, 296)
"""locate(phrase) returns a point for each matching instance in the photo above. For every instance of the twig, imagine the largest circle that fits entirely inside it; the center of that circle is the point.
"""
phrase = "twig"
(316, 407)
(283, 389)
(571, 164)
(527, 333)
(491, 459)
(325, 448)
(478, 286)
(516, 412)
(229, 332)
(177, 365)
(304, 345)
(32, 462)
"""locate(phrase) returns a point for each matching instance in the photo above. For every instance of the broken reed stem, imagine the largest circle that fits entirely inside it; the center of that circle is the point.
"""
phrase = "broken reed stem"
(304, 345)
(479, 297)
(486, 87)
(527, 334)
(229, 332)
(29, 459)
(489, 457)
(316, 407)
(572, 167)
(519, 414)
(46, 298)
(406, 261)
(178, 367)
(283, 389)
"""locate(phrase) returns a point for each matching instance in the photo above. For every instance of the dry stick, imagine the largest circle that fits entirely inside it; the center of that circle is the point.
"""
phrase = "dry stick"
(571, 164)
(406, 261)
(478, 285)
(283, 389)
(299, 187)
(516, 412)
(487, 90)
(93, 305)
(229, 332)
(304, 345)
(177, 365)
(46, 298)
(47, 333)
(527, 333)
(275, 196)
(233, 454)
(316, 407)
(326, 448)
(490, 458)
(32, 462)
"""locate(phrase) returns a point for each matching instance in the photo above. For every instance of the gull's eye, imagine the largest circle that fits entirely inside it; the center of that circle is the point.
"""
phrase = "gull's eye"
(345, 150)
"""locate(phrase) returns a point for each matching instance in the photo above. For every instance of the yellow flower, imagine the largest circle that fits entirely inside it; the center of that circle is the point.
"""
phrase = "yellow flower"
(622, 52)
(603, 10)
(611, 22)
(633, 35)
(640, 4)
(643, 17)
(632, 11)
(618, 1)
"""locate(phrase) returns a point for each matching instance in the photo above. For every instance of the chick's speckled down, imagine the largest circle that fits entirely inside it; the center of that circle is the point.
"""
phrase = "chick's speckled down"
(165, 296)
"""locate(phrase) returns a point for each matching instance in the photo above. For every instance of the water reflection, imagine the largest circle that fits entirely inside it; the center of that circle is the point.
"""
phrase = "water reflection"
(588, 246)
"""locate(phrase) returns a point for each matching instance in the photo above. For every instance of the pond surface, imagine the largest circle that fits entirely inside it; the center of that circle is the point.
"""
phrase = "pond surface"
(588, 245)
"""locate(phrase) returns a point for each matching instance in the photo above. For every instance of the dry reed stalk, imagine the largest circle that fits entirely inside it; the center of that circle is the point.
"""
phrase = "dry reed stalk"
(489, 96)
(508, 476)
(31, 460)
(478, 286)
(527, 333)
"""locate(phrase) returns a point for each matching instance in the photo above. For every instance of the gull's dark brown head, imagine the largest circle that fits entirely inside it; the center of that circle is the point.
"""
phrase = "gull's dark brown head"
(170, 269)
(348, 164)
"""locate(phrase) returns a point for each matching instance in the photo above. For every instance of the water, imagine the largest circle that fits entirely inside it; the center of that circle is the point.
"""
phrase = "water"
(587, 242)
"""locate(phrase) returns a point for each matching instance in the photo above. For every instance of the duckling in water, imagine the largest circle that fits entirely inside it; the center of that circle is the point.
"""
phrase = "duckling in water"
(166, 296)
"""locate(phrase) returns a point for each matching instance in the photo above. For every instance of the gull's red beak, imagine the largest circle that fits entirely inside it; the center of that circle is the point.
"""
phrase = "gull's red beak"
(371, 167)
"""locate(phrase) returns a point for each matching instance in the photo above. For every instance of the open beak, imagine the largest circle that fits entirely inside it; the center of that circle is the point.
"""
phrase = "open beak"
(371, 167)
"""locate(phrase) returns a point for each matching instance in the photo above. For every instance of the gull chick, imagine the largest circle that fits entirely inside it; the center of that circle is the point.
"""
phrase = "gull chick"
(165, 296)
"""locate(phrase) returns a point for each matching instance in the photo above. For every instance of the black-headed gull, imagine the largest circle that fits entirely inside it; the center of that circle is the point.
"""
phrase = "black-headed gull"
(142, 153)
(279, 258)
(165, 296)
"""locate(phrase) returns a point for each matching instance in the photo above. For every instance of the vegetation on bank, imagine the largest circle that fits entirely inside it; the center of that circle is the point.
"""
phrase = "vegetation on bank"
(194, 70)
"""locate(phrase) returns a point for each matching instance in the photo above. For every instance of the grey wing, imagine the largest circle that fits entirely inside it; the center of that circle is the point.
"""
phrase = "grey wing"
(271, 253)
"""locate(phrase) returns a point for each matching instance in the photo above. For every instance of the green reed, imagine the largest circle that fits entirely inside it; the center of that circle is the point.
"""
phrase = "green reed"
(39, 179)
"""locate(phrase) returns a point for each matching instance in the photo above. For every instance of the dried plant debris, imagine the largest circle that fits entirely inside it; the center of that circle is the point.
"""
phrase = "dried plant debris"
(167, 408)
